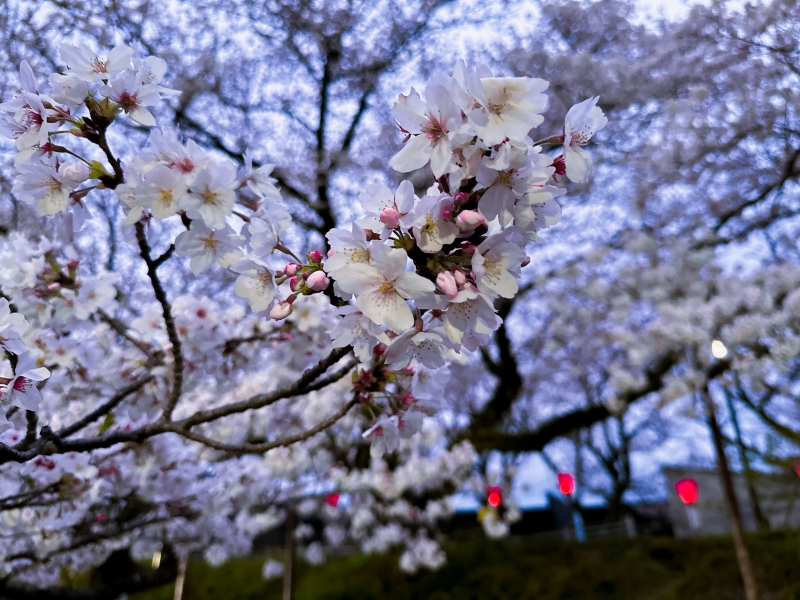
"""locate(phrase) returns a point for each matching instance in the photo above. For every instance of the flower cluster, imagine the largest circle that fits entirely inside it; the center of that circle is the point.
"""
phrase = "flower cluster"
(406, 289)
(462, 244)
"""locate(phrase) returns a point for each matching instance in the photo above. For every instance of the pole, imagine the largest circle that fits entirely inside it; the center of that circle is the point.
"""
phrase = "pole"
(737, 529)
(288, 565)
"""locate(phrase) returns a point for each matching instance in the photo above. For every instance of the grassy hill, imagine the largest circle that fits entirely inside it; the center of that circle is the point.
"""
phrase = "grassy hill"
(479, 569)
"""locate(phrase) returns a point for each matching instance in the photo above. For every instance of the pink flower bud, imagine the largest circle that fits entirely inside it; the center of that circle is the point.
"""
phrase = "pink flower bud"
(460, 198)
(468, 249)
(469, 220)
(447, 283)
(73, 264)
(315, 256)
(281, 310)
(379, 349)
(54, 287)
(446, 214)
(526, 262)
(391, 218)
(459, 276)
(291, 269)
(295, 283)
(318, 281)
(560, 166)
(76, 172)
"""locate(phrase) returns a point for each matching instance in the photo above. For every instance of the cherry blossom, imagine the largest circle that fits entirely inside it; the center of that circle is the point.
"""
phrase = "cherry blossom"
(212, 194)
(582, 122)
(90, 67)
(383, 287)
(141, 349)
(433, 225)
(256, 283)
(162, 191)
(133, 97)
(12, 326)
(42, 184)
(21, 389)
(428, 123)
(205, 245)
(495, 266)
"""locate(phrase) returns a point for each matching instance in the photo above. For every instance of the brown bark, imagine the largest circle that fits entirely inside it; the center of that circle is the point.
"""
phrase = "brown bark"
(288, 564)
(737, 529)
(761, 519)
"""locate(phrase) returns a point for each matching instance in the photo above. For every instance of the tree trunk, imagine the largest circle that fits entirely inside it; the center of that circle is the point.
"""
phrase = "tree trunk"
(761, 520)
(288, 564)
(737, 529)
(180, 580)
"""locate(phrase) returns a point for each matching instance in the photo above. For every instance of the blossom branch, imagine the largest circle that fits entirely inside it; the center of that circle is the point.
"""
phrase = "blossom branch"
(261, 448)
(105, 408)
(166, 311)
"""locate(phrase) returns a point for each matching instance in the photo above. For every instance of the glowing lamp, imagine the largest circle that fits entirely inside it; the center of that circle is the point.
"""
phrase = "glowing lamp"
(566, 484)
(688, 491)
(718, 349)
(494, 495)
(332, 500)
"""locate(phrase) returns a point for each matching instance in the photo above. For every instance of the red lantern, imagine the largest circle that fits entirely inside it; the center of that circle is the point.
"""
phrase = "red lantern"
(566, 484)
(688, 491)
(494, 495)
(332, 500)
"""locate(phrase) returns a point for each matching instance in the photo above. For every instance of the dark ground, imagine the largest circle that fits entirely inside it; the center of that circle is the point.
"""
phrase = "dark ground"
(646, 568)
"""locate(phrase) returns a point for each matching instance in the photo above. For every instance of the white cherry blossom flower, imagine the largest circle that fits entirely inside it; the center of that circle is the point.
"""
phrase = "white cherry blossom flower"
(521, 169)
(68, 89)
(433, 227)
(213, 194)
(96, 293)
(428, 123)
(356, 330)
(133, 97)
(256, 283)
(424, 345)
(475, 314)
(12, 325)
(384, 436)
(127, 195)
(32, 128)
(259, 180)
(27, 82)
(21, 390)
(205, 246)
(349, 247)
(538, 210)
(162, 191)
(87, 65)
(41, 184)
(165, 147)
(378, 200)
(263, 236)
(382, 288)
(582, 122)
(495, 266)
(507, 107)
